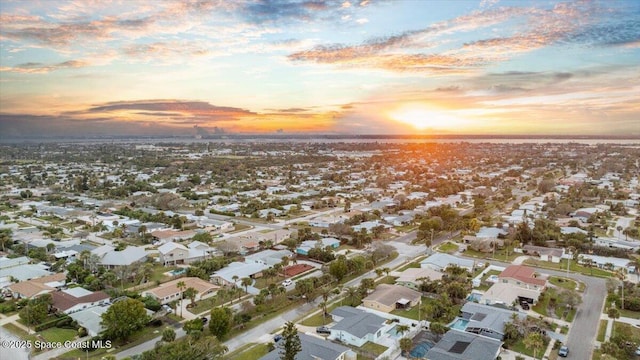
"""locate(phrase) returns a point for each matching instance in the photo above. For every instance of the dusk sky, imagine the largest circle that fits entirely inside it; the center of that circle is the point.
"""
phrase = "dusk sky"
(333, 67)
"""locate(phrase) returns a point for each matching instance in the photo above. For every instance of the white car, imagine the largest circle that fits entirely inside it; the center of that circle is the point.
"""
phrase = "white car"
(287, 282)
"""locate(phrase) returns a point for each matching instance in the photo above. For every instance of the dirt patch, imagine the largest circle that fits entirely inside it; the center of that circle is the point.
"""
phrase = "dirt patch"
(296, 269)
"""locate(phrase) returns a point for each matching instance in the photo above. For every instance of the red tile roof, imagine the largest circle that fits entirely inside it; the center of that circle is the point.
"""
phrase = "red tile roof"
(522, 273)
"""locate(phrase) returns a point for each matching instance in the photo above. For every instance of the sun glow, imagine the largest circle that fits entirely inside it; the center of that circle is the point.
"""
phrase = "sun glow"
(423, 118)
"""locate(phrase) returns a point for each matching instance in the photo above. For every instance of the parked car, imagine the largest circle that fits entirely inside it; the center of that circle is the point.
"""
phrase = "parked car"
(563, 351)
(277, 338)
(204, 320)
(323, 330)
(525, 306)
(638, 351)
(287, 282)
(167, 308)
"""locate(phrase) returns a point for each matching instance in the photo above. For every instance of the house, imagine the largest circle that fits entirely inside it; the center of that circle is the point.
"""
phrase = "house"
(237, 270)
(25, 271)
(522, 276)
(173, 253)
(461, 345)
(356, 327)
(90, 319)
(368, 226)
(35, 287)
(616, 243)
(75, 299)
(169, 291)
(165, 236)
(388, 297)
(412, 277)
(544, 253)
(487, 320)
(606, 262)
(314, 348)
(268, 257)
(323, 243)
(440, 262)
(507, 294)
(128, 256)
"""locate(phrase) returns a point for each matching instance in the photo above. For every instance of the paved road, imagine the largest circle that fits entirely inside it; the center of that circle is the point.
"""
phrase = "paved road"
(11, 352)
(582, 334)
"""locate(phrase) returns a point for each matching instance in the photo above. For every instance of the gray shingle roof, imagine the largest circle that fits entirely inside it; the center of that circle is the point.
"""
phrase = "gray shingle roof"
(313, 348)
(359, 324)
(459, 345)
(488, 317)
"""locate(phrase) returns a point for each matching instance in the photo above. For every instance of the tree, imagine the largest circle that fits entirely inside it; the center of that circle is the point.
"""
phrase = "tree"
(338, 268)
(534, 340)
(220, 322)
(405, 345)
(36, 310)
(613, 313)
(124, 318)
(168, 334)
(290, 342)
(191, 294)
(181, 286)
(402, 329)
(246, 282)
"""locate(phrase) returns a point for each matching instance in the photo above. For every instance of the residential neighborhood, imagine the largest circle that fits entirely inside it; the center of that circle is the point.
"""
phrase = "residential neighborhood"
(361, 250)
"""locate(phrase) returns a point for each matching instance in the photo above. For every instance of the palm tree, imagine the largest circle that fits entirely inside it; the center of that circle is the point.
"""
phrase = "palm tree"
(613, 313)
(533, 340)
(352, 293)
(181, 286)
(405, 345)
(285, 262)
(246, 281)
(191, 294)
(402, 329)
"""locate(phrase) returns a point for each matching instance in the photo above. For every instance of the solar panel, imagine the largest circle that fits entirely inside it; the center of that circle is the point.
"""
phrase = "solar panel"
(459, 347)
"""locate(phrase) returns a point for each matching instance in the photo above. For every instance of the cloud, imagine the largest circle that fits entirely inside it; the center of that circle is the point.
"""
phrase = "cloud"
(191, 109)
(271, 11)
(39, 68)
(618, 34)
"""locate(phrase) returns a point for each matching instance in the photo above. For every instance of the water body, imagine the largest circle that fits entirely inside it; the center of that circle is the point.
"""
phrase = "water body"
(11, 353)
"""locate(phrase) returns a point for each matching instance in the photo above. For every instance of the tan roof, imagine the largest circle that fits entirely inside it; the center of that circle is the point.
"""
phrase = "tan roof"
(413, 274)
(168, 234)
(37, 286)
(390, 294)
(171, 287)
(523, 273)
(63, 301)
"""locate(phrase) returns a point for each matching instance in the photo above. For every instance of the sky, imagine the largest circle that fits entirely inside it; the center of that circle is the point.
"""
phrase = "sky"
(455, 67)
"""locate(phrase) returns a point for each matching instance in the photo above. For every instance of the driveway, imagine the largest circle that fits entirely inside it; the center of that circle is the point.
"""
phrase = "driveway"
(583, 331)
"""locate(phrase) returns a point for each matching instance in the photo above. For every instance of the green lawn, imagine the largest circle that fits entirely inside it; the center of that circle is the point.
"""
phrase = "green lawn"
(563, 282)
(632, 332)
(318, 319)
(412, 313)
(629, 313)
(519, 347)
(58, 335)
(373, 348)
(602, 330)
(448, 247)
(386, 280)
(415, 264)
(542, 305)
(249, 352)
(574, 267)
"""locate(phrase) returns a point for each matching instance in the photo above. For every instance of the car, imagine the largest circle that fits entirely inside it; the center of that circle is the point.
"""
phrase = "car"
(323, 330)
(287, 282)
(638, 351)
(277, 338)
(167, 308)
(563, 351)
(204, 320)
(525, 306)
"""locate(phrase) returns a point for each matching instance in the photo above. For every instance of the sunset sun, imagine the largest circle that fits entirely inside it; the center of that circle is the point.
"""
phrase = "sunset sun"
(421, 117)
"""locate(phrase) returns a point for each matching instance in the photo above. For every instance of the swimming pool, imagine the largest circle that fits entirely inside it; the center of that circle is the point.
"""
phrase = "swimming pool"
(460, 324)
(393, 332)
(177, 272)
(420, 349)
(475, 297)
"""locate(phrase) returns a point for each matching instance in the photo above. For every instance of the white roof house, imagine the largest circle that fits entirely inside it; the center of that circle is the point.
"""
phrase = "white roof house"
(128, 256)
